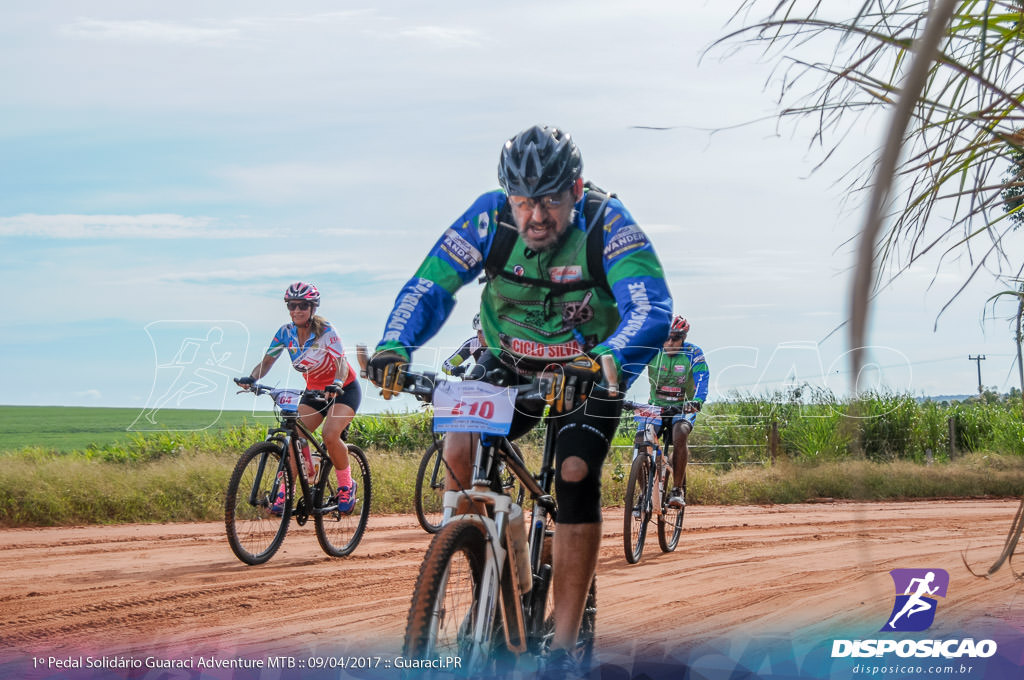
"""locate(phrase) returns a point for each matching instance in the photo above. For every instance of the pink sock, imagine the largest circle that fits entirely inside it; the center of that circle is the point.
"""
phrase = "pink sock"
(344, 477)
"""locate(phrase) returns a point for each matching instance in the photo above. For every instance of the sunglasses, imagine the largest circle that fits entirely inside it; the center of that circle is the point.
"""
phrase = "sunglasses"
(292, 306)
(547, 203)
(676, 336)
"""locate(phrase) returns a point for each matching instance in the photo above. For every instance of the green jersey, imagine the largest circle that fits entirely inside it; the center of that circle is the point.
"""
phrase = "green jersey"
(679, 377)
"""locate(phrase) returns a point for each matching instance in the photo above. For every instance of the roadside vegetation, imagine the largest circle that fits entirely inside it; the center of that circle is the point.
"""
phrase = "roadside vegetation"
(882, 447)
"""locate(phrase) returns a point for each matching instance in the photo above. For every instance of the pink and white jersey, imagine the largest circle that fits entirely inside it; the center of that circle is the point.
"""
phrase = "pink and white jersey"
(316, 359)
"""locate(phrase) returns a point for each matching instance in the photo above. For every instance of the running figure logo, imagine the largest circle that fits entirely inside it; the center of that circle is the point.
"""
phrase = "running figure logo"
(914, 609)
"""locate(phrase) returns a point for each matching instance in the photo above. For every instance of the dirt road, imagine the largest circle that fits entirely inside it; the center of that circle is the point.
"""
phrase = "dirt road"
(177, 590)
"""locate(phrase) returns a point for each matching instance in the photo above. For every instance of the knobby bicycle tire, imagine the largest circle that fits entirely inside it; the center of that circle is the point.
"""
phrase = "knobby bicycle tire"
(636, 514)
(670, 521)
(429, 498)
(339, 533)
(444, 604)
(254, 531)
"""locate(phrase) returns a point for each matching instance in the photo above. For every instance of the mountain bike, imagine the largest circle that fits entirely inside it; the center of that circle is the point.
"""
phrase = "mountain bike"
(261, 495)
(430, 483)
(428, 500)
(650, 481)
(483, 596)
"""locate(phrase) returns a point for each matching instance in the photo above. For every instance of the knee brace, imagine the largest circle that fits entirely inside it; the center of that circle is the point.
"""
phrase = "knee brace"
(580, 502)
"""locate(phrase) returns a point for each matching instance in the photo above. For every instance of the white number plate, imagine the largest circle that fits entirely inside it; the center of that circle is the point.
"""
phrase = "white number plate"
(473, 406)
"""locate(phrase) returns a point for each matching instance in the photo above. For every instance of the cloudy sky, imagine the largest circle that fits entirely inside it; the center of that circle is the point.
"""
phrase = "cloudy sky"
(169, 168)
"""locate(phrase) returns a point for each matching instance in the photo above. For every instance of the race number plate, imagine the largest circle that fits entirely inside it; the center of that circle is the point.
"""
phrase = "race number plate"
(648, 411)
(473, 406)
(647, 415)
(287, 400)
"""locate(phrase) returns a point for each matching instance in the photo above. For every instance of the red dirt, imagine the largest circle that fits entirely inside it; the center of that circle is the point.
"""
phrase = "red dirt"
(176, 590)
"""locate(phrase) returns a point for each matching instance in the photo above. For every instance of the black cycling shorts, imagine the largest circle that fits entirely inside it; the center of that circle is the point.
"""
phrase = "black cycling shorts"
(587, 433)
(351, 397)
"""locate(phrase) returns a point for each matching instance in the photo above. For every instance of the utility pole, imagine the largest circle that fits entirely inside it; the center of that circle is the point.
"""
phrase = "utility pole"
(979, 359)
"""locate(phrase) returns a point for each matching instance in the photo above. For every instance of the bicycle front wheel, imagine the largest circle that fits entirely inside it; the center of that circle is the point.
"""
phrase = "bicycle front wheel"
(637, 512)
(445, 614)
(670, 521)
(340, 532)
(429, 498)
(255, 520)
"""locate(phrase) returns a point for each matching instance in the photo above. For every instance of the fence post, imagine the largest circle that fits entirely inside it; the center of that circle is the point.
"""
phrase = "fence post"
(773, 441)
(952, 436)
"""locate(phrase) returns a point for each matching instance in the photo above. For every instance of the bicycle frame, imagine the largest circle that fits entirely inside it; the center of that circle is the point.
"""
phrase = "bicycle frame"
(659, 464)
(499, 583)
(285, 435)
(501, 569)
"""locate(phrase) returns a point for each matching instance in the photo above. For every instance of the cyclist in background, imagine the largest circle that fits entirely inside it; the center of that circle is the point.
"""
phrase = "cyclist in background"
(471, 348)
(316, 352)
(679, 377)
(543, 303)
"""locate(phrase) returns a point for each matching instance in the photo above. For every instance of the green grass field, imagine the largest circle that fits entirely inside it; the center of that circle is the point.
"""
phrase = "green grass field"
(64, 466)
(66, 428)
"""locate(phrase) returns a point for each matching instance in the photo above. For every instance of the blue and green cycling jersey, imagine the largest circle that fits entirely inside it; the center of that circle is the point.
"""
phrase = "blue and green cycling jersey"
(676, 378)
(530, 322)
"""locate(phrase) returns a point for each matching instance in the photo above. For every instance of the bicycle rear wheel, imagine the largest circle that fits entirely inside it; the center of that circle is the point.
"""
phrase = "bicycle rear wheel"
(429, 498)
(637, 512)
(255, 528)
(445, 609)
(340, 532)
(670, 521)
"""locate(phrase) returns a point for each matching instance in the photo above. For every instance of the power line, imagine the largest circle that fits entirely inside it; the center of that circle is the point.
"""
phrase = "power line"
(978, 359)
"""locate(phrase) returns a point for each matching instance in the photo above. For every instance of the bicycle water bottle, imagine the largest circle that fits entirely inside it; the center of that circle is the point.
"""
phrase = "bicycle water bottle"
(517, 540)
(306, 458)
(316, 464)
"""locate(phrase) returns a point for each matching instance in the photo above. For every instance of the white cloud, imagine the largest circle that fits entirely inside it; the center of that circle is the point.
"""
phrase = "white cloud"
(154, 226)
(208, 31)
(287, 181)
(149, 31)
(444, 36)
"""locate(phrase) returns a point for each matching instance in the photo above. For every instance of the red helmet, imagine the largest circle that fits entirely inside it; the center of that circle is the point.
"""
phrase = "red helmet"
(680, 326)
(302, 291)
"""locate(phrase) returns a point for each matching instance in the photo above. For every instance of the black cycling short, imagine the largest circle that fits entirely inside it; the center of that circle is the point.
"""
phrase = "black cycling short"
(351, 397)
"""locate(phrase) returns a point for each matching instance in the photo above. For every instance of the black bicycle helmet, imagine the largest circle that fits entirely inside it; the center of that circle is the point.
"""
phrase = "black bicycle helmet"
(539, 161)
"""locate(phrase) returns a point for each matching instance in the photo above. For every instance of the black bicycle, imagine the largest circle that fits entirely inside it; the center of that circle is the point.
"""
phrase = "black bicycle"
(483, 596)
(650, 480)
(430, 483)
(262, 495)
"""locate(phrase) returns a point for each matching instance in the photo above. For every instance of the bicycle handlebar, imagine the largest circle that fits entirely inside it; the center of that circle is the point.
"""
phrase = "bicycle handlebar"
(666, 411)
(260, 389)
(546, 387)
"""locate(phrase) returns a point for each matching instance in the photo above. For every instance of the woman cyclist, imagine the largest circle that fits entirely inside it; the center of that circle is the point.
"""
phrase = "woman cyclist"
(316, 352)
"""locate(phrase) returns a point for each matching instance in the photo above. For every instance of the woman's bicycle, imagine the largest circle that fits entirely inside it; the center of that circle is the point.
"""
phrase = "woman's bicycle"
(650, 480)
(483, 596)
(263, 495)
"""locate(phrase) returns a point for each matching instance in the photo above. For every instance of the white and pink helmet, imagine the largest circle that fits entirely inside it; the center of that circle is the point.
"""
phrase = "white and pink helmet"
(303, 291)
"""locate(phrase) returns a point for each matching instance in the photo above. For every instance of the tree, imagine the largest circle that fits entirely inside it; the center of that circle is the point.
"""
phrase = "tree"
(937, 187)
(1013, 194)
(950, 71)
